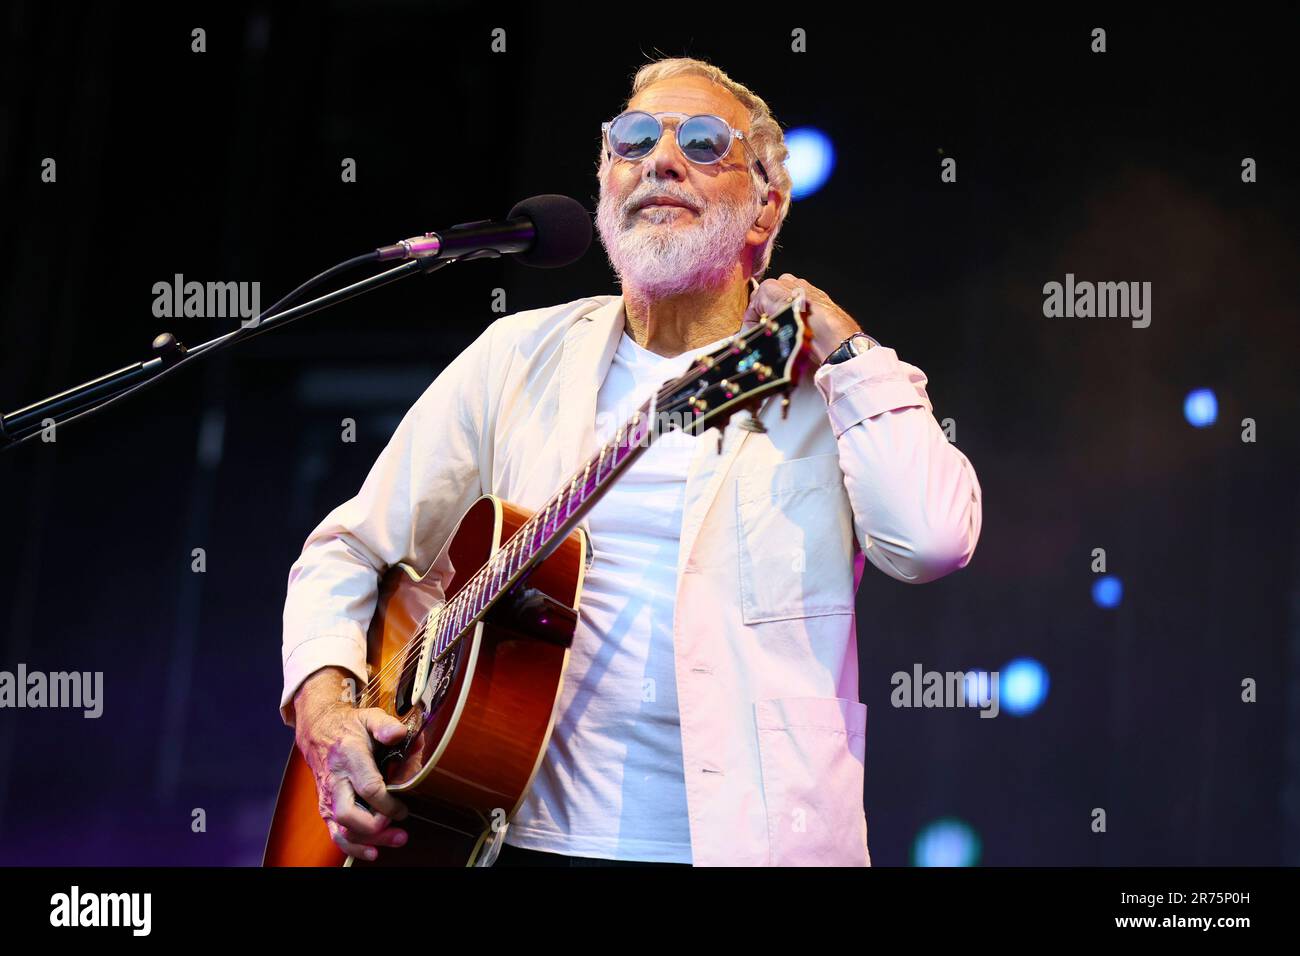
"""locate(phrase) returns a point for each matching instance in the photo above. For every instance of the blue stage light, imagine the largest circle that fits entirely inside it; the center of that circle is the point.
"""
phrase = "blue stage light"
(1201, 408)
(946, 842)
(811, 159)
(1024, 685)
(1107, 591)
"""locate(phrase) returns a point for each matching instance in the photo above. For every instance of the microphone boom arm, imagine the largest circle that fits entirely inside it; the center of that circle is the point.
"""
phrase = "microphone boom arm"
(170, 354)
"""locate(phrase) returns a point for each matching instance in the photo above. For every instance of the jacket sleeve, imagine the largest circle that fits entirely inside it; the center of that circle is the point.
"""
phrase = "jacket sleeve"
(428, 474)
(916, 501)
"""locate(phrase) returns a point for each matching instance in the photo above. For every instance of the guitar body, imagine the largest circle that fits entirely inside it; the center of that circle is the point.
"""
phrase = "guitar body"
(482, 721)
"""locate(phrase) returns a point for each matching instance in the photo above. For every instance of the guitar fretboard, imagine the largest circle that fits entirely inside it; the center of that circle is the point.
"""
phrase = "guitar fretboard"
(545, 530)
(679, 404)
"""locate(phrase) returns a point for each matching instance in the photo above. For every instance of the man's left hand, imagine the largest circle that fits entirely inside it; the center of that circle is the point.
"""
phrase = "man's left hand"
(830, 324)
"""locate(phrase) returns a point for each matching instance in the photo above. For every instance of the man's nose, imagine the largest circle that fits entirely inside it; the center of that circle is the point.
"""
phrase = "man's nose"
(665, 161)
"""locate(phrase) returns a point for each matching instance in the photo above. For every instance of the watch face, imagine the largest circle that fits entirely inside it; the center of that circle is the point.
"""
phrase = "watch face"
(861, 342)
(853, 346)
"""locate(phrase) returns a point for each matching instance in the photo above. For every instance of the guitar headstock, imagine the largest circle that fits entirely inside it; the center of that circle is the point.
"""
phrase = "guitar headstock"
(767, 357)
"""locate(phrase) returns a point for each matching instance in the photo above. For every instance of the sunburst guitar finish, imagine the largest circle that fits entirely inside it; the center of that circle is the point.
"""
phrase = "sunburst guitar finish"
(481, 727)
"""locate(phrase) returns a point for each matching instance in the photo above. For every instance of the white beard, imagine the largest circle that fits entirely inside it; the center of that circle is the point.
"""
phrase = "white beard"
(648, 251)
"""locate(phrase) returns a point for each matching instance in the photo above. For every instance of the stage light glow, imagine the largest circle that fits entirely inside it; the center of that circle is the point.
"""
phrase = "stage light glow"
(1201, 408)
(1024, 686)
(946, 842)
(1107, 591)
(811, 159)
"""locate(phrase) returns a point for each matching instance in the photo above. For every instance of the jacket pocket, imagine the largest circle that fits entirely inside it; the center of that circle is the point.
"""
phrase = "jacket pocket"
(795, 540)
(812, 752)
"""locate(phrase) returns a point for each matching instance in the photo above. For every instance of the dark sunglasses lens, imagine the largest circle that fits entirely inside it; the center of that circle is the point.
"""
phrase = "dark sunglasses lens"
(633, 135)
(704, 139)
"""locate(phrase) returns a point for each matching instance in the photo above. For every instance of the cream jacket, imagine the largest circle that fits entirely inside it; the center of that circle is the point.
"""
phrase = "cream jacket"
(774, 533)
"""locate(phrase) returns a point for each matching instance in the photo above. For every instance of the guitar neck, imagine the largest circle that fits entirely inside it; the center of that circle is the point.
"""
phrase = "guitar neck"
(751, 364)
(548, 527)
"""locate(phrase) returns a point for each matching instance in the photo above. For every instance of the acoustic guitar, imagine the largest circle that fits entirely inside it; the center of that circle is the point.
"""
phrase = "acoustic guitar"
(476, 677)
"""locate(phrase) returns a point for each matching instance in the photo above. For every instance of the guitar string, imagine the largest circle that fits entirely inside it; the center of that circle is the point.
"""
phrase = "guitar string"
(500, 562)
(511, 553)
(509, 550)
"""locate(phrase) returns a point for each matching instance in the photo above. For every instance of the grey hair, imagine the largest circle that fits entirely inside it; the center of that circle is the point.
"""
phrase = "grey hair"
(764, 136)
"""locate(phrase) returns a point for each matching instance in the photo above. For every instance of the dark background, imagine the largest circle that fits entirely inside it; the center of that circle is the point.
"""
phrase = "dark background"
(226, 166)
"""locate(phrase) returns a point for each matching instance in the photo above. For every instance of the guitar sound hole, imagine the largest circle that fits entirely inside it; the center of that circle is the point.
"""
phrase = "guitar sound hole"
(405, 686)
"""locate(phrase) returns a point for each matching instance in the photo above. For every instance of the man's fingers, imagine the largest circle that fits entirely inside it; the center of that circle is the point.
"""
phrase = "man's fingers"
(370, 787)
(349, 814)
(390, 836)
(384, 727)
(349, 775)
(771, 297)
(360, 765)
(339, 835)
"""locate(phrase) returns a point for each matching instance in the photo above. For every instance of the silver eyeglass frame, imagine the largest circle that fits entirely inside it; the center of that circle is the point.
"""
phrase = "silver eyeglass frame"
(735, 134)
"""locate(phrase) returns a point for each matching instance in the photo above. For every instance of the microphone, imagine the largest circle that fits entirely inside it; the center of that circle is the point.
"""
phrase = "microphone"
(545, 232)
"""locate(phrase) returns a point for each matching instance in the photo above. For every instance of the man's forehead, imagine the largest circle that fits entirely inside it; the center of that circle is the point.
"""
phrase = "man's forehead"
(689, 94)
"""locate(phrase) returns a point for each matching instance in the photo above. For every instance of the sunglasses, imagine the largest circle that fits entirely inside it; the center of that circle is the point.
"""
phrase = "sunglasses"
(703, 138)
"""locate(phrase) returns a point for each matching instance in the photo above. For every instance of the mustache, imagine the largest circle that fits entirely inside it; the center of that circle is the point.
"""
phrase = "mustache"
(641, 198)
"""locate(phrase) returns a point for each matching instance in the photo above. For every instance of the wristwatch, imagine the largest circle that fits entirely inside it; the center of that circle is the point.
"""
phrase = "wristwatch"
(855, 344)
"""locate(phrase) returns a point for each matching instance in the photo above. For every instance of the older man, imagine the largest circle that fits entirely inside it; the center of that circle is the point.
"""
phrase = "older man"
(710, 711)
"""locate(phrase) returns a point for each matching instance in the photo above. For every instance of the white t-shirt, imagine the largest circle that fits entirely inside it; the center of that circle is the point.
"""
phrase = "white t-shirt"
(611, 784)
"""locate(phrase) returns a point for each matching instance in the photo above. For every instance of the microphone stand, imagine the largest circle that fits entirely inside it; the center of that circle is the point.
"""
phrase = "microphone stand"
(170, 354)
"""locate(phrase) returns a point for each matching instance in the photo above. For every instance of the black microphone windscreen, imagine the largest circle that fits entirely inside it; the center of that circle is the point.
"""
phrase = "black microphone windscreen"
(563, 230)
